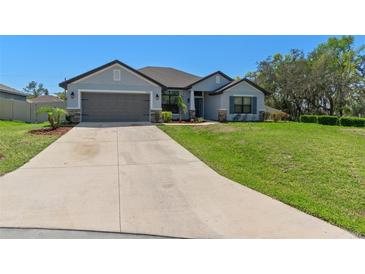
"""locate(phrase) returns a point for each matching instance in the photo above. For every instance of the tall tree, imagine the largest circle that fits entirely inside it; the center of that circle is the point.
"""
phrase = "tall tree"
(35, 89)
(286, 77)
(61, 95)
(335, 66)
(329, 80)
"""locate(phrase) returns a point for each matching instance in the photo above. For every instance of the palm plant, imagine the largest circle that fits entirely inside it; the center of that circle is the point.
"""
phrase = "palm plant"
(182, 107)
(54, 115)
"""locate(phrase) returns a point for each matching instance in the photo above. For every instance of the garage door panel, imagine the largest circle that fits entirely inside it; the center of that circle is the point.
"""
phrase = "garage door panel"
(114, 107)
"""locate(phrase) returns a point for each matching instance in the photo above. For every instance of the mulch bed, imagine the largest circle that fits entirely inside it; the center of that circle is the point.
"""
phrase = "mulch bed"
(49, 131)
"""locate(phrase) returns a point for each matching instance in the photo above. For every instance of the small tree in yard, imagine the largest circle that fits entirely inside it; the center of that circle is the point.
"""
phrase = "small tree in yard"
(54, 115)
(182, 107)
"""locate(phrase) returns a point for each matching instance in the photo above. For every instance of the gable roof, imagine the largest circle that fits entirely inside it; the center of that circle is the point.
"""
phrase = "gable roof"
(208, 76)
(236, 82)
(10, 90)
(83, 75)
(45, 99)
(167, 77)
(170, 77)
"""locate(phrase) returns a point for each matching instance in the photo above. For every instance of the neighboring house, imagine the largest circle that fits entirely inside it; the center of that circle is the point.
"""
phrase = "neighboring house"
(11, 93)
(118, 92)
(45, 99)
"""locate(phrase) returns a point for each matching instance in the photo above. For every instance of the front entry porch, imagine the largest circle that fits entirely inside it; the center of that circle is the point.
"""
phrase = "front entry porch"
(194, 101)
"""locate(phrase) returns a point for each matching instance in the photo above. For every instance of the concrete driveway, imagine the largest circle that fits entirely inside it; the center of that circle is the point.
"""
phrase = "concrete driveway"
(135, 179)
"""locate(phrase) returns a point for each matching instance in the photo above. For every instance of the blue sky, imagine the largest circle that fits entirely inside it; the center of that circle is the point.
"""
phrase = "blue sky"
(49, 59)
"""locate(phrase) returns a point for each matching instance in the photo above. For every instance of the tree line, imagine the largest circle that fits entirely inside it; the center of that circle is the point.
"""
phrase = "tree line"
(328, 80)
(35, 89)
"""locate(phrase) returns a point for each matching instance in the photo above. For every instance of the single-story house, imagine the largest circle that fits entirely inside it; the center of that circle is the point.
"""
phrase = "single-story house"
(118, 92)
(45, 99)
(11, 93)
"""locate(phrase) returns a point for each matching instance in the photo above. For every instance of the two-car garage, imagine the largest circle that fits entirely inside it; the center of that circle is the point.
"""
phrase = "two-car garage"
(114, 92)
(115, 107)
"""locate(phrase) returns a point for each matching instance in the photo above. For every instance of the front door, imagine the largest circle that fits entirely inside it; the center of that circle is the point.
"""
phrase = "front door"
(198, 107)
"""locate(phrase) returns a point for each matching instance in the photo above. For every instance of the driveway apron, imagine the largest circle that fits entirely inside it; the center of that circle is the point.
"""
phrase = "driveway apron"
(133, 178)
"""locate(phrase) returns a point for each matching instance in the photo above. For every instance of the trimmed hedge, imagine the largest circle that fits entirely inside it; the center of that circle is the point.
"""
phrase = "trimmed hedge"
(166, 116)
(308, 118)
(333, 120)
(327, 120)
(352, 122)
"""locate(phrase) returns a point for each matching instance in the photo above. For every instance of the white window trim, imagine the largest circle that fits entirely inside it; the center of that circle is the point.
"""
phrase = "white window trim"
(217, 79)
(117, 74)
(114, 91)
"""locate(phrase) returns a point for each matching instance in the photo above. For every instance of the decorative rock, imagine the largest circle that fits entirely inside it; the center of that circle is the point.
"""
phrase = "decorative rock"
(74, 115)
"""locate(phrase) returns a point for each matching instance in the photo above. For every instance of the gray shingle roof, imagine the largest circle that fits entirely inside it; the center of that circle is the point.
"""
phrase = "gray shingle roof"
(235, 82)
(66, 82)
(170, 77)
(226, 86)
(10, 90)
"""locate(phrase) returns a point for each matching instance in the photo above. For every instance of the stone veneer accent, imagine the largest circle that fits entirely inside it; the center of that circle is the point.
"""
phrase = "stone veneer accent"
(75, 115)
(156, 116)
(192, 114)
(222, 115)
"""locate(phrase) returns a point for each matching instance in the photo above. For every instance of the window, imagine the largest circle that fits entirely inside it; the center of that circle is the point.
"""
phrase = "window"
(198, 93)
(116, 75)
(169, 101)
(242, 104)
(217, 79)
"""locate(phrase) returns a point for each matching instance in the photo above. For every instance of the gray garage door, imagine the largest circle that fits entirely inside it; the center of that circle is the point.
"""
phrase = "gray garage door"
(114, 107)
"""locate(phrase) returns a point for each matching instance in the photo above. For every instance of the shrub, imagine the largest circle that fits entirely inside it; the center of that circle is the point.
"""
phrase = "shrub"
(199, 119)
(275, 116)
(68, 118)
(308, 118)
(327, 120)
(166, 116)
(54, 115)
(352, 122)
(285, 116)
(279, 116)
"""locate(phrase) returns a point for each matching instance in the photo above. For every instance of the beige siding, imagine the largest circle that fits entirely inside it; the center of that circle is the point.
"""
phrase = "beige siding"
(24, 111)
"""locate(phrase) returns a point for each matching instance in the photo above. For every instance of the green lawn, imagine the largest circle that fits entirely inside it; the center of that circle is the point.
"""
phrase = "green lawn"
(17, 146)
(318, 169)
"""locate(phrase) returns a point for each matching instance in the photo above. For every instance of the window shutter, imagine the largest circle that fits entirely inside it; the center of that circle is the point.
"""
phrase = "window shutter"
(254, 105)
(231, 104)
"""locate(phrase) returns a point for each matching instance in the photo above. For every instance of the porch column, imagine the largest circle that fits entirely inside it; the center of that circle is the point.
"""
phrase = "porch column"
(192, 101)
(192, 105)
